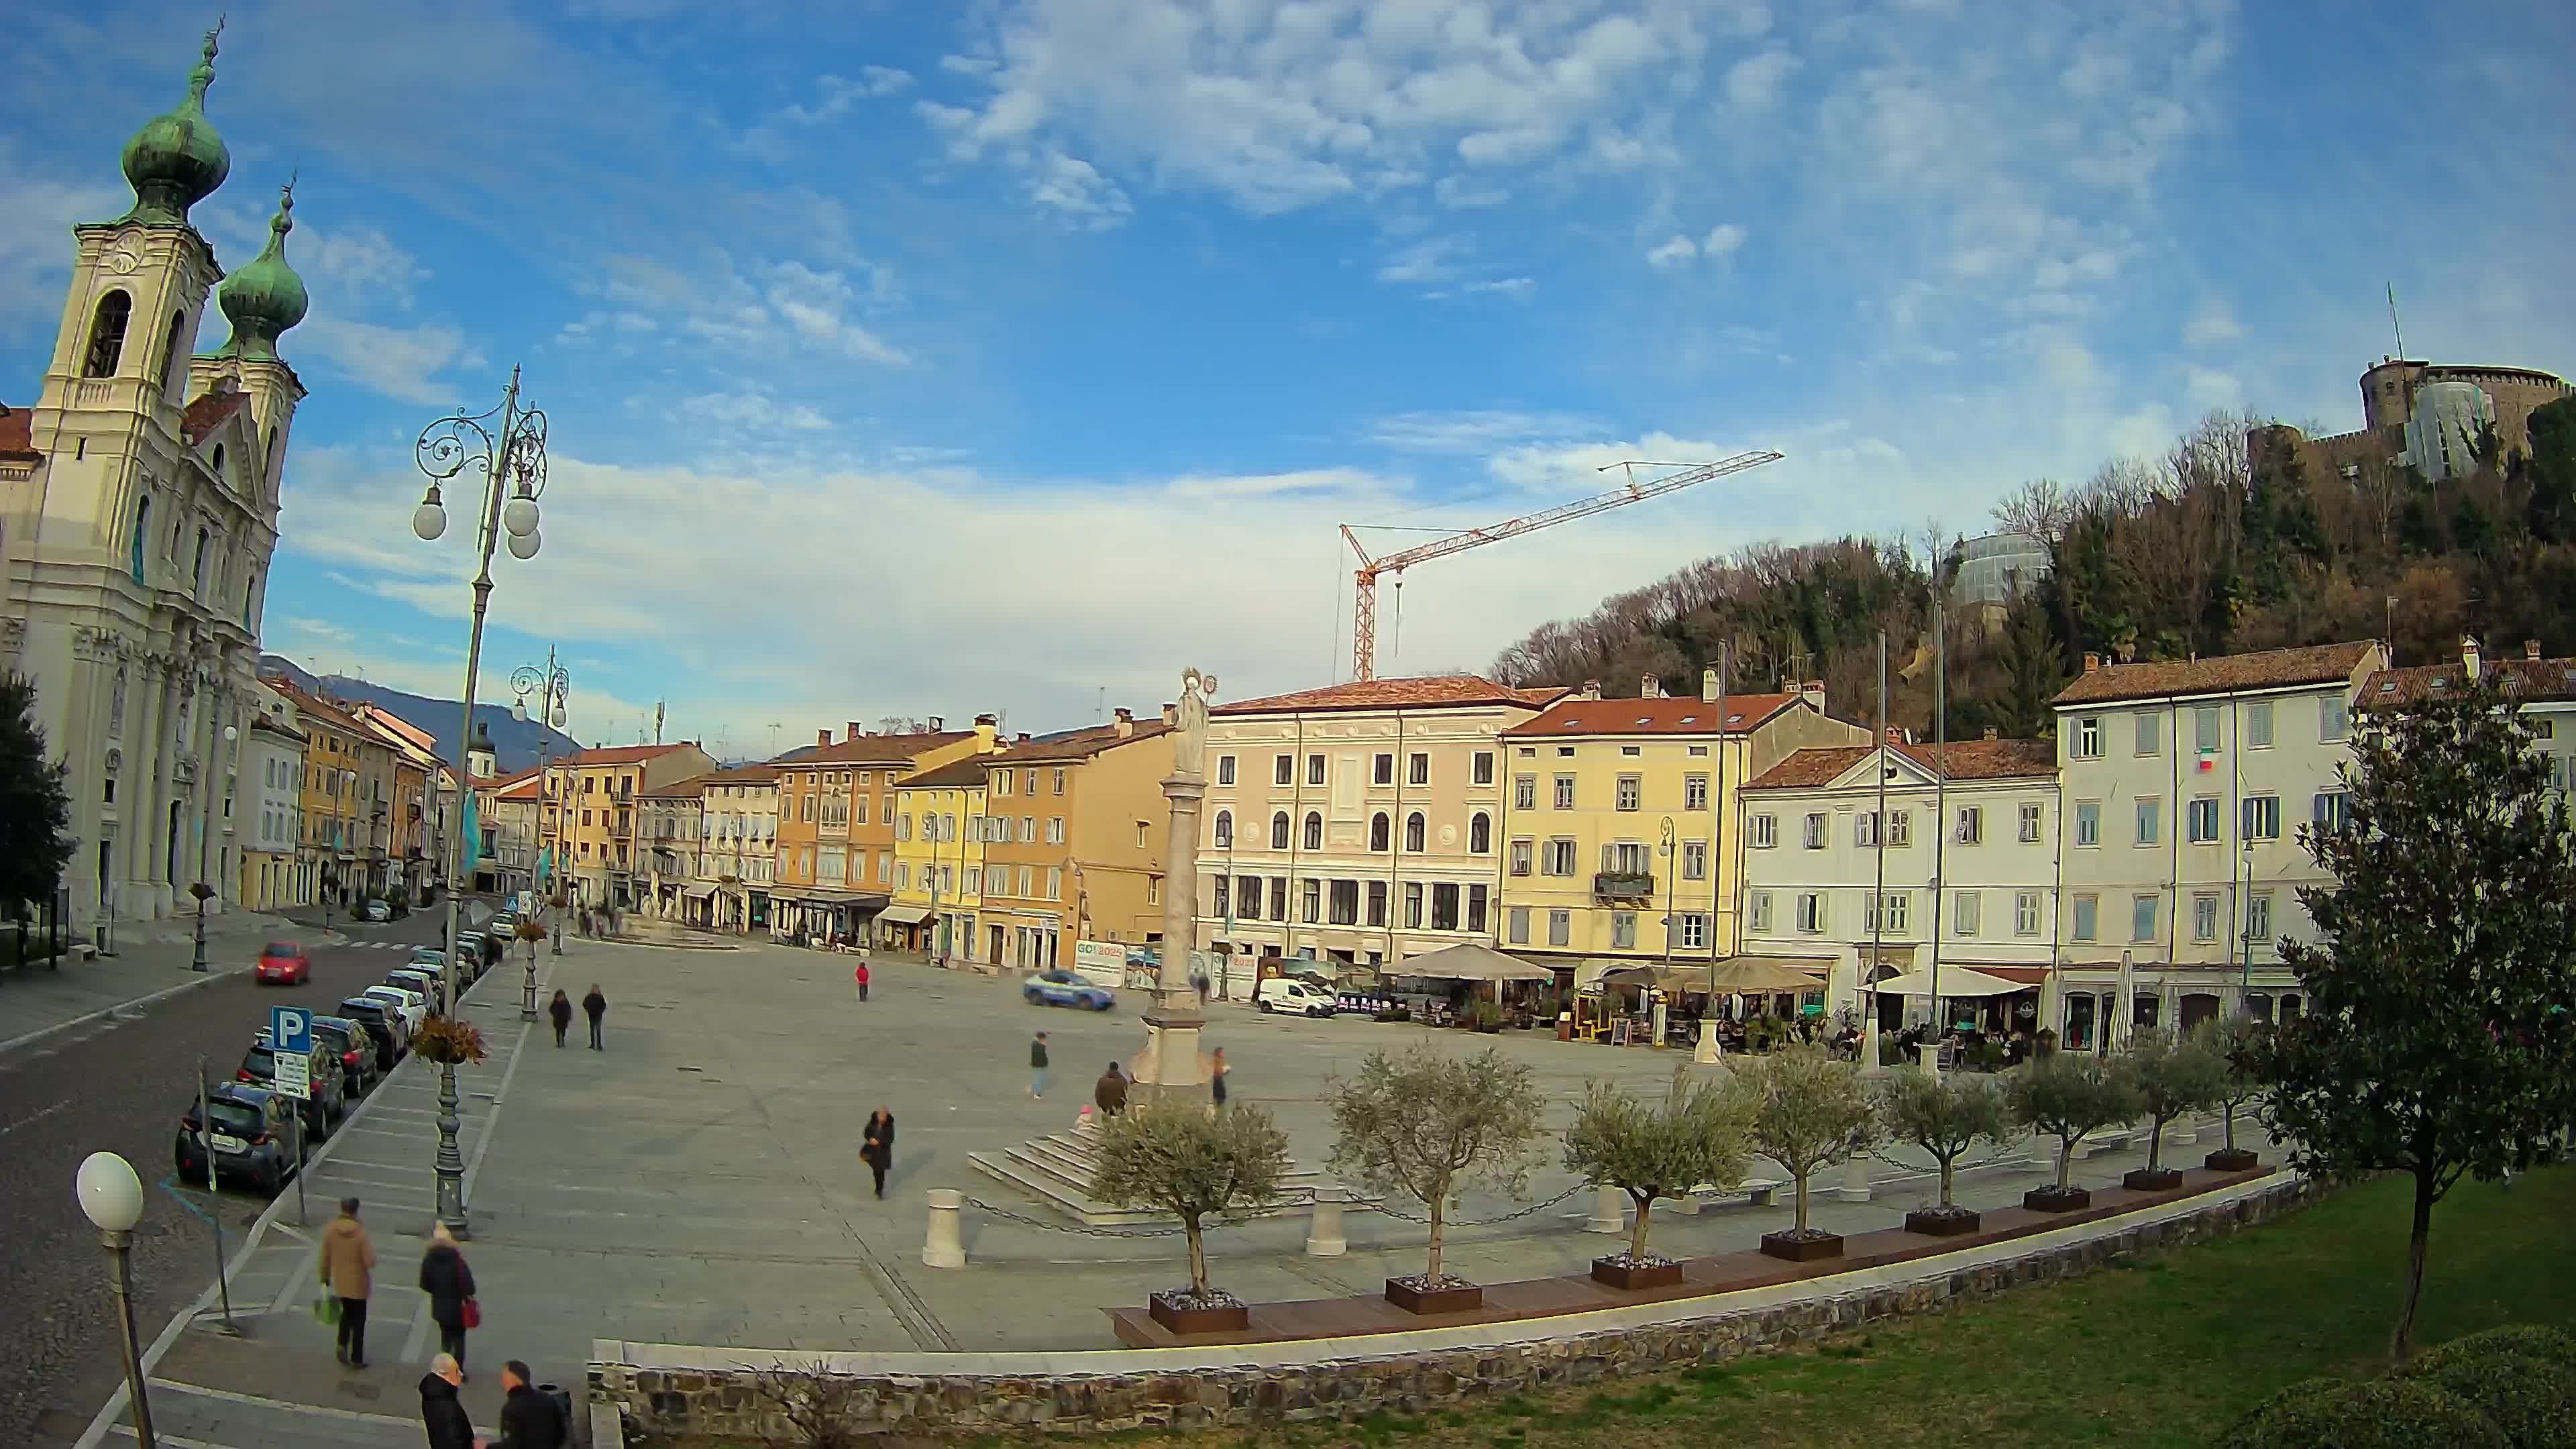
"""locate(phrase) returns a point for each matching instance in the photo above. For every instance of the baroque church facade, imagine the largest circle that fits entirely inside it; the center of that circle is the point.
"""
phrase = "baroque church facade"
(138, 516)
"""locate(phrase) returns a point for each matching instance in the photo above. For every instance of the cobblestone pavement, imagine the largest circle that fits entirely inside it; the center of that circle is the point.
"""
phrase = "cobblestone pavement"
(698, 1182)
(105, 1075)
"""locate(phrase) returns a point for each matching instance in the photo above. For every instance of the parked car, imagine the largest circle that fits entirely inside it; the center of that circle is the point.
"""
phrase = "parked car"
(478, 952)
(379, 911)
(427, 983)
(247, 1137)
(324, 1104)
(285, 963)
(429, 958)
(356, 1050)
(1063, 988)
(413, 1005)
(502, 925)
(1294, 993)
(384, 1022)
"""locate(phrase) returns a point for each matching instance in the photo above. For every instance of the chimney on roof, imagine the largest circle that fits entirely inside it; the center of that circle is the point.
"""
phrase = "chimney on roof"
(1708, 685)
(2092, 662)
(1023, 738)
(2469, 656)
(1813, 692)
(1123, 720)
(938, 723)
(1592, 689)
(822, 737)
(1990, 732)
(2531, 649)
(988, 733)
(1650, 687)
(855, 731)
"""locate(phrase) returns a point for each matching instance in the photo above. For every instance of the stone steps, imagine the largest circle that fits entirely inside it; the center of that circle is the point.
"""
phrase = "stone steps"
(1057, 1170)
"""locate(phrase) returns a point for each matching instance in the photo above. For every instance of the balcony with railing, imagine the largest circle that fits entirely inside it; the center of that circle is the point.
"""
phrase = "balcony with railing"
(1623, 885)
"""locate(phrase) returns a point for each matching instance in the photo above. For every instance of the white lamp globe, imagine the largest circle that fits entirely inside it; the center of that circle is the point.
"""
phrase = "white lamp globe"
(429, 520)
(525, 545)
(519, 516)
(110, 1194)
(519, 711)
(560, 717)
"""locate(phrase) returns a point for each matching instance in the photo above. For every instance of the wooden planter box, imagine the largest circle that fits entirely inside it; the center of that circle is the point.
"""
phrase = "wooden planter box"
(1933, 1224)
(1438, 1300)
(1197, 1320)
(2151, 1179)
(1616, 1274)
(1802, 1250)
(2231, 1159)
(2056, 1200)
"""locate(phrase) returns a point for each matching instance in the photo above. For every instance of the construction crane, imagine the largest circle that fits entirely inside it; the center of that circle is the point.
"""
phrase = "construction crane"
(1364, 605)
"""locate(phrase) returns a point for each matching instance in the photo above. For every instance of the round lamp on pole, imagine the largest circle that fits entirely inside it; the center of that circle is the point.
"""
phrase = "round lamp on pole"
(429, 520)
(524, 546)
(111, 1197)
(519, 516)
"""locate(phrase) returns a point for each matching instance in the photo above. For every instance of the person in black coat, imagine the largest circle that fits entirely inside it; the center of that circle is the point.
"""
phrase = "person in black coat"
(594, 1006)
(529, 1420)
(442, 1414)
(561, 1010)
(878, 1150)
(449, 1283)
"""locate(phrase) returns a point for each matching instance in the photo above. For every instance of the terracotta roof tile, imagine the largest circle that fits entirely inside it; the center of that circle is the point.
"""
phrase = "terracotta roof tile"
(1966, 760)
(620, 754)
(876, 749)
(208, 413)
(1670, 715)
(17, 435)
(1437, 691)
(2527, 679)
(967, 773)
(1075, 745)
(2263, 669)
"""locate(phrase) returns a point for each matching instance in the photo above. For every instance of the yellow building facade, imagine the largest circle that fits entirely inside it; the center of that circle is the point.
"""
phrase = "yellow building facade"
(1622, 841)
(938, 860)
(1074, 841)
(588, 816)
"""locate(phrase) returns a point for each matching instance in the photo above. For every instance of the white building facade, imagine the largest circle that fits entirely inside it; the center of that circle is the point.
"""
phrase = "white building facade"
(1962, 872)
(2185, 784)
(270, 807)
(737, 849)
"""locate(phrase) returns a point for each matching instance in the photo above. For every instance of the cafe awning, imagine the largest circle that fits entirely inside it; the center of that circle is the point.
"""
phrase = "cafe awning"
(1754, 975)
(1468, 961)
(1671, 980)
(700, 892)
(904, 915)
(1955, 981)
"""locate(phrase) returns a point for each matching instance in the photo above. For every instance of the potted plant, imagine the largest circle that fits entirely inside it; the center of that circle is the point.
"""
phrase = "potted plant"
(1425, 1124)
(1487, 1016)
(1700, 1133)
(1809, 1112)
(1193, 1164)
(2170, 1078)
(448, 1042)
(2066, 1096)
(2237, 1044)
(1945, 1116)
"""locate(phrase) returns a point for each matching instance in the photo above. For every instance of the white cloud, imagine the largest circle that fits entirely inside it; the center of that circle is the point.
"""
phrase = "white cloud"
(782, 305)
(1432, 259)
(1755, 83)
(1519, 289)
(36, 218)
(753, 408)
(1673, 253)
(836, 96)
(1722, 241)
(1071, 188)
(404, 363)
(2211, 325)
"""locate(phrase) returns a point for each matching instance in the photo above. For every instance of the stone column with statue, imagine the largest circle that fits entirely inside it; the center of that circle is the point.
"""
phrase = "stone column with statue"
(1171, 1066)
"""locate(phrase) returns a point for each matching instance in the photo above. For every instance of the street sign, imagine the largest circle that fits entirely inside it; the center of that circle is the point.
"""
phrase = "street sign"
(290, 1030)
(294, 1074)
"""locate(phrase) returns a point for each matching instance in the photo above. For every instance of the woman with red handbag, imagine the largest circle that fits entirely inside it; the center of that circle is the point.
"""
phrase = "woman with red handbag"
(450, 1286)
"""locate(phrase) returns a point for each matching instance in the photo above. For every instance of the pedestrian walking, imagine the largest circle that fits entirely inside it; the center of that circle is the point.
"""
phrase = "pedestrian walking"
(1037, 1068)
(442, 1414)
(346, 1269)
(878, 1151)
(561, 1010)
(1110, 1092)
(863, 978)
(1216, 1077)
(449, 1282)
(529, 1419)
(1199, 983)
(594, 1006)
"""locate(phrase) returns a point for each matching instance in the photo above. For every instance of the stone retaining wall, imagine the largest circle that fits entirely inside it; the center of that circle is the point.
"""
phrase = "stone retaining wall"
(660, 1400)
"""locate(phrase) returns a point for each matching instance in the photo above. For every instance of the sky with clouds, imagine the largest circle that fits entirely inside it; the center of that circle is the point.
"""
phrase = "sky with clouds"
(1011, 355)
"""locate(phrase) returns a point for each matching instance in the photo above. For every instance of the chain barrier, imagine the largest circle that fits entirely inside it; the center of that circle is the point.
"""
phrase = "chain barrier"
(1084, 1230)
(1371, 1207)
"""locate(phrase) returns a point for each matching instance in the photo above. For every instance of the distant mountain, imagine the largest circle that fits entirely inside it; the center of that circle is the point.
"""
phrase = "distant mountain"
(516, 743)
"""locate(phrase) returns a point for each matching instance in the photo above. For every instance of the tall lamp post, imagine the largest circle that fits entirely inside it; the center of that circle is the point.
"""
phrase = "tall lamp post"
(507, 445)
(552, 686)
(112, 1197)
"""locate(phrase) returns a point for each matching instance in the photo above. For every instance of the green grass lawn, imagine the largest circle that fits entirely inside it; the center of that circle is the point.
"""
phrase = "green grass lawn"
(2163, 1351)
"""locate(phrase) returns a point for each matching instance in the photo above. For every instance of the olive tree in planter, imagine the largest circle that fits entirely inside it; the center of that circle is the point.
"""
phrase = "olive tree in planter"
(2170, 1077)
(1193, 1164)
(2065, 1096)
(1426, 1124)
(2238, 1044)
(1809, 1112)
(1945, 1116)
(1700, 1133)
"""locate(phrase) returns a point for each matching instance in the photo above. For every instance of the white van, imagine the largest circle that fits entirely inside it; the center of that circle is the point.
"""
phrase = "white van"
(1293, 993)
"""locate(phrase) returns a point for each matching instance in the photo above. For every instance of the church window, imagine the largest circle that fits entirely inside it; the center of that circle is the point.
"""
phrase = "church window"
(170, 350)
(107, 334)
(205, 541)
(219, 460)
(142, 517)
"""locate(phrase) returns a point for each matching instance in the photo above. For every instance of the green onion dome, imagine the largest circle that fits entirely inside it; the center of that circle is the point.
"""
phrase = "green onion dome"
(265, 297)
(177, 160)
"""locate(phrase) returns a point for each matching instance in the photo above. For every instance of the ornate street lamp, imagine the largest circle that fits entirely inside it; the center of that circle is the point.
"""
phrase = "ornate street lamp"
(112, 1198)
(552, 686)
(507, 445)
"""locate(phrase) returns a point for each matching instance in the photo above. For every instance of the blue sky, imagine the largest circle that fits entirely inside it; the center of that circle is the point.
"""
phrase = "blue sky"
(914, 358)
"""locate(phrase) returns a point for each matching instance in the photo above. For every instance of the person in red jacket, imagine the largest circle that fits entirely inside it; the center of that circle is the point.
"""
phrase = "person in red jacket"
(863, 979)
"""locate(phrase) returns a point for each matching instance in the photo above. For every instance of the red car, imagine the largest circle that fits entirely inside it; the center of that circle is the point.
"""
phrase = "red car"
(285, 963)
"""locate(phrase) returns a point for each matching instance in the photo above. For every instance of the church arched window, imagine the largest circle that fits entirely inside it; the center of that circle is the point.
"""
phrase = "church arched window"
(107, 334)
(170, 351)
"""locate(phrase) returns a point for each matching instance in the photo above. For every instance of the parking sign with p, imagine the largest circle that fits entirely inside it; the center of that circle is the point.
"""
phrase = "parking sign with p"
(290, 1036)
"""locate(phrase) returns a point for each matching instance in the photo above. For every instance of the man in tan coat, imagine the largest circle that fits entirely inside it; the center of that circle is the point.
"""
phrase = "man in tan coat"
(348, 1261)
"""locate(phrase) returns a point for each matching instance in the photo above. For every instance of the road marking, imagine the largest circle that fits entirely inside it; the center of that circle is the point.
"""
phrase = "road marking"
(173, 1440)
(39, 1113)
(253, 1400)
(105, 1012)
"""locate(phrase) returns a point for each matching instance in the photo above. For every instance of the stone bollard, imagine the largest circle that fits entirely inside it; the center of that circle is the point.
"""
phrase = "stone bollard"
(1609, 1213)
(1708, 1050)
(944, 1249)
(1855, 1186)
(1324, 1227)
(2180, 1133)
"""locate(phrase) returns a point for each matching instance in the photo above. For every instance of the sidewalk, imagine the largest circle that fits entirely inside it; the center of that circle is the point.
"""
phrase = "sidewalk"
(273, 1383)
(151, 961)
